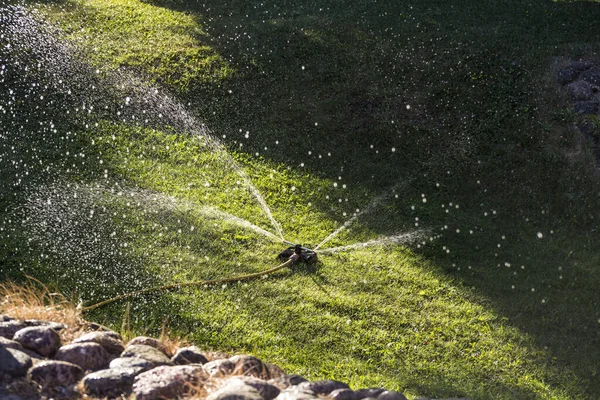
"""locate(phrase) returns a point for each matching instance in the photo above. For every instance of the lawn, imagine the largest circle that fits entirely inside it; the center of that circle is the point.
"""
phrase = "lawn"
(146, 152)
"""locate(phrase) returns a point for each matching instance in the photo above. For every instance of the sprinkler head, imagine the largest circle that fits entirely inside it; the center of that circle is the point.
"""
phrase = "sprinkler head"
(298, 253)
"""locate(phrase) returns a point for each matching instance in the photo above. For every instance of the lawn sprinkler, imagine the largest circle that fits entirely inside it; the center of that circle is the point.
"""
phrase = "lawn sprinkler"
(298, 253)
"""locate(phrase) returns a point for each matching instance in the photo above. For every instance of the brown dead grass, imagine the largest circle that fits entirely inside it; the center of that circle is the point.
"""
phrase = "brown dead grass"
(34, 300)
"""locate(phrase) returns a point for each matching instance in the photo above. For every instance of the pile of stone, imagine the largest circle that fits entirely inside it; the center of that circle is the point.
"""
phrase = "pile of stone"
(582, 82)
(36, 364)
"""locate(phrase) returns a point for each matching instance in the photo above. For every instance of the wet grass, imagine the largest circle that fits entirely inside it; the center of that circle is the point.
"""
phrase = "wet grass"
(339, 102)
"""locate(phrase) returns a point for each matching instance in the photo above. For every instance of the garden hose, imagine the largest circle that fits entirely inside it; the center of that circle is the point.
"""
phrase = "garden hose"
(289, 262)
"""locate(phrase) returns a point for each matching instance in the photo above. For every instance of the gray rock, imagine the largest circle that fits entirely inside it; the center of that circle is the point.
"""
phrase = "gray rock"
(151, 354)
(167, 382)
(189, 355)
(219, 368)
(235, 390)
(130, 362)
(567, 75)
(391, 395)
(4, 318)
(323, 387)
(41, 339)
(296, 393)
(110, 382)
(54, 325)
(345, 394)
(586, 107)
(9, 328)
(581, 65)
(10, 344)
(365, 393)
(14, 362)
(275, 371)
(250, 366)
(89, 356)
(92, 326)
(55, 373)
(35, 357)
(104, 339)
(148, 341)
(265, 389)
(592, 76)
(286, 381)
(580, 90)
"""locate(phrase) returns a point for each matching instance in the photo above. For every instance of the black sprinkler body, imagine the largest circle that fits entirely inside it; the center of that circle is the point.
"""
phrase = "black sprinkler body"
(298, 253)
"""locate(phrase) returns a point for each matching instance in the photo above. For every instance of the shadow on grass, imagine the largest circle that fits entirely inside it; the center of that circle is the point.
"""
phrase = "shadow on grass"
(330, 78)
(358, 80)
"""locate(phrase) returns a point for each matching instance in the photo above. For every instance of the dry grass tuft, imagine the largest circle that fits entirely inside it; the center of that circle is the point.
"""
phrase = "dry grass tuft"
(34, 300)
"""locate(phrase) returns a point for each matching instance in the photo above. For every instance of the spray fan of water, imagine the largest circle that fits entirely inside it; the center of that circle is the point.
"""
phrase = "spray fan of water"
(62, 217)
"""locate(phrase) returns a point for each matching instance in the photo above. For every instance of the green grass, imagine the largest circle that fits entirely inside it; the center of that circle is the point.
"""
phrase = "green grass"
(484, 310)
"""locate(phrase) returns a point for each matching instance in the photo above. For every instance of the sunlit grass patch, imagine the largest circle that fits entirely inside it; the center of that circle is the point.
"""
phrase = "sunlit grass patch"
(169, 46)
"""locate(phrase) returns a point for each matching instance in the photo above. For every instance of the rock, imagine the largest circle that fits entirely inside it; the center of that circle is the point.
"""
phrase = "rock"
(390, 395)
(130, 362)
(148, 341)
(265, 389)
(54, 325)
(10, 344)
(580, 90)
(581, 65)
(250, 366)
(151, 354)
(586, 107)
(592, 76)
(345, 394)
(89, 356)
(35, 357)
(364, 393)
(567, 75)
(55, 373)
(167, 382)
(288, 380)
(104, 339)
(110, 382)
(296, 393)
(218, 368)
(41, 339)
(14, 362)
(92, 326)
(235, 390)
(275, 371)
(323, 387)
(189, 355)
(4, 318)
(9, 328)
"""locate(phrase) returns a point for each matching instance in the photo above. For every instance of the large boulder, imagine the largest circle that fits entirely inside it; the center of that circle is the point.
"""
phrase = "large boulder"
(167, 382)
(89, 356)
(41, 339)
(111, 383)
(55, 373)
(14, 362)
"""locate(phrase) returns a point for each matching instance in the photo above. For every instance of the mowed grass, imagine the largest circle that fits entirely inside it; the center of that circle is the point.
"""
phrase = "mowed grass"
(450, 113)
